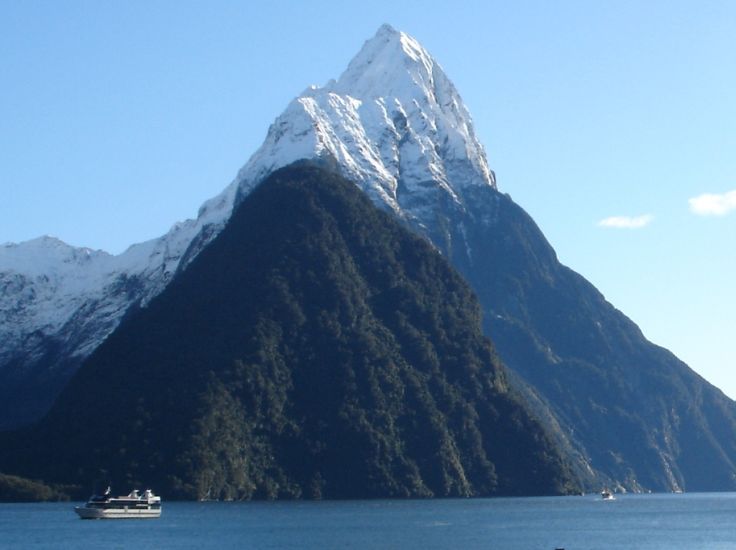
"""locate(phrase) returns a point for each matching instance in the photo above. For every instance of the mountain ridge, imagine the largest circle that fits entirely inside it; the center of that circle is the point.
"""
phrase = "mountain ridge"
(628, 408)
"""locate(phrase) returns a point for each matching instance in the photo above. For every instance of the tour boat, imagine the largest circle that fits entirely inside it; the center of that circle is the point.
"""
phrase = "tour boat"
(132, 506)
(607, 495)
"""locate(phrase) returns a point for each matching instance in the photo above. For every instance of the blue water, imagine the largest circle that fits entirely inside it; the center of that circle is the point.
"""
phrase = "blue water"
(633, 522)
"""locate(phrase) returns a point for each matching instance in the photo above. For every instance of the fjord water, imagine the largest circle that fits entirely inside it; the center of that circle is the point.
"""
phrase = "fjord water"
(587, 522)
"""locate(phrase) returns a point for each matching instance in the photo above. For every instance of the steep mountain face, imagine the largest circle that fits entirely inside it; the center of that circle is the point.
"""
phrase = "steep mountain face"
(326, 352)
(628, 412)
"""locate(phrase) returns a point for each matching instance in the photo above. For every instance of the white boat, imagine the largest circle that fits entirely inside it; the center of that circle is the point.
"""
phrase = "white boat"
(132, 506)
(607, 495)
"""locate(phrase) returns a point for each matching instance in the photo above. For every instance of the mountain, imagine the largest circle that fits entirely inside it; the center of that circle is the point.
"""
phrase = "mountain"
(627, 412)
(325, 352)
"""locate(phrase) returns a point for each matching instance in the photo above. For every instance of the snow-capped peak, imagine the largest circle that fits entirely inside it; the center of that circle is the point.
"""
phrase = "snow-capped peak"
(391, 64)
(393, 122)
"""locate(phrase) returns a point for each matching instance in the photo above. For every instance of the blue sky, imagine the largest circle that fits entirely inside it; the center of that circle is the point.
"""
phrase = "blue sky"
(118, 119)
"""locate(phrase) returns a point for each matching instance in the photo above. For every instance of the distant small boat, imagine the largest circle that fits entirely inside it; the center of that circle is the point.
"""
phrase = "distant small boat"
(132, 506)
(607, 495)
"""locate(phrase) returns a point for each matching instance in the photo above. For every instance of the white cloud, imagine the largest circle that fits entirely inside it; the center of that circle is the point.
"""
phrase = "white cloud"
(626, 222)
(710, 204)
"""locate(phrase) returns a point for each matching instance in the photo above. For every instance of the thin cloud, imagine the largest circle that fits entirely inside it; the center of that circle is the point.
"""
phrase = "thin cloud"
(626, 222)
(712, 204)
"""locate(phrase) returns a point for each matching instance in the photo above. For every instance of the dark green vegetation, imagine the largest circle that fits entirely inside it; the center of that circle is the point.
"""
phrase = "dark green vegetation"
(18, 489)
(316, 349)
(626, 408)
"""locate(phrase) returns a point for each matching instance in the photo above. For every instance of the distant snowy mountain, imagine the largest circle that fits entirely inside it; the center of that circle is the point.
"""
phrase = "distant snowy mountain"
(58, 303)
(393, 122)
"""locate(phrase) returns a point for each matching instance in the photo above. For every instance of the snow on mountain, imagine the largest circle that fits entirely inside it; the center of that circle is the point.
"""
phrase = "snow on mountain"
(393, 122)
(41, 280)
(44, 283)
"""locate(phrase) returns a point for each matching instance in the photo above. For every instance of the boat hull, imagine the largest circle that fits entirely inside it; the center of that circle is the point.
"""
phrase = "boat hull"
(121, 513)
